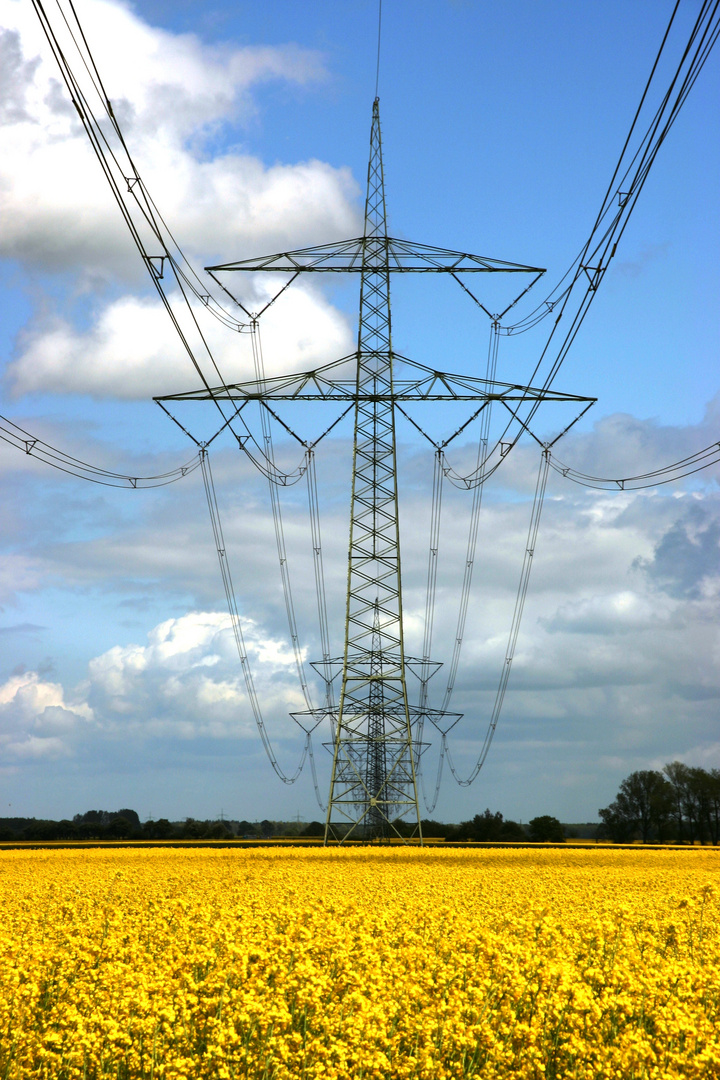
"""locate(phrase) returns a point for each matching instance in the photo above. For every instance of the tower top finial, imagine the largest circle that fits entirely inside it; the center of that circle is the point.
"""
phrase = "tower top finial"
(375, 216)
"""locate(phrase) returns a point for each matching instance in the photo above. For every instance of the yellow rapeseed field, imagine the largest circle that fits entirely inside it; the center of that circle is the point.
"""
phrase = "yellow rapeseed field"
(282, 963)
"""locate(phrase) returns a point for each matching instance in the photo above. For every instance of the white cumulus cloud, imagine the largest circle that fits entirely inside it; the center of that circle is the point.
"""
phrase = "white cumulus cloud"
(37, 716)
(131, 351)
(169, 92)
(188, 681)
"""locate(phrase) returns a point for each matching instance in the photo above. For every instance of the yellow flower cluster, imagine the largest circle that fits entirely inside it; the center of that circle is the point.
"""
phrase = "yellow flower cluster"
(284, 964)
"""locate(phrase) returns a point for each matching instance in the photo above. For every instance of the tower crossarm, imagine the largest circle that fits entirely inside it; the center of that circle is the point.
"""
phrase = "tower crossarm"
(360, 254)
(430, 385)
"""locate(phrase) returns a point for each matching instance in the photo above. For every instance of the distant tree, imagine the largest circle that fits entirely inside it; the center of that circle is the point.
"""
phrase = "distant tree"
(546, 830)
(15, 824)
(714, 805)
(486, 827)
(130, 815)
(289, 828)
(246, 829)
(702, 803)
(92, 824)
(677, 774)
(616, 824)
(216, 830)
(315, 828)
(158, 830)
(267, 829)
(192, 829)
(512, 831)
(644, 808)
(119, 828)
(42, 830)
(434, 830)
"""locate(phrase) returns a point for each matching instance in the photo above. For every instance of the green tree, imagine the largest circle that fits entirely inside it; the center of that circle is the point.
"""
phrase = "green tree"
(546, 830)
(714, 805)
(192, 829)
(158, 830)
(644, 808)
(119, 828)
(618, 824)
(434, 830)
(677, 774)
(487, 827)
(216, 830)
(130, 816)
(512, 831)
(704, 794)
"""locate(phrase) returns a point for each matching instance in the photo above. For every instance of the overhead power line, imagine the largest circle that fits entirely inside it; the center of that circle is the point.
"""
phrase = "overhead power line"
(568, 304)
(694, 463)
(31, 445)
(164, 260)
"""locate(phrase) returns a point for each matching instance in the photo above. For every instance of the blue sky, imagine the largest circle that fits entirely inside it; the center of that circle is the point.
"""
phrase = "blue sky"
(250, 124)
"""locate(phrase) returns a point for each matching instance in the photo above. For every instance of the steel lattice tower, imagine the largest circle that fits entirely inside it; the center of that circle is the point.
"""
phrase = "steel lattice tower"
(373, 775)
(376, 742)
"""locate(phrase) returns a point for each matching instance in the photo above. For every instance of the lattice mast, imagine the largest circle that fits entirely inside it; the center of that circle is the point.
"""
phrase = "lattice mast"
(373, 773)
(376, 733)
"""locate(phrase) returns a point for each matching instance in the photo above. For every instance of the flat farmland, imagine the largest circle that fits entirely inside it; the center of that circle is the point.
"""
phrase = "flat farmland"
(289, 963)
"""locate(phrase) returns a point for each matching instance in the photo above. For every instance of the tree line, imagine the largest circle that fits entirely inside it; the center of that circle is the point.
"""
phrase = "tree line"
(679, 804)
(126, 825)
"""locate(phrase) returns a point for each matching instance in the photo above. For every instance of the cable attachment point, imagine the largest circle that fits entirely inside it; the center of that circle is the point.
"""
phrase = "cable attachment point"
(594, 275)
(156, 264)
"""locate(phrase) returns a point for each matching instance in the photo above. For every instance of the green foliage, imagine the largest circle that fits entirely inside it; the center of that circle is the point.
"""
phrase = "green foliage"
(315, 828)
(487, 827)
(546, 830)
(434, 830)
(681, 803)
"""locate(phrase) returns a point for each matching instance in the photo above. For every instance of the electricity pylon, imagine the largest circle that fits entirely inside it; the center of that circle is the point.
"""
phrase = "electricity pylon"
(375, 744)
(373, 774)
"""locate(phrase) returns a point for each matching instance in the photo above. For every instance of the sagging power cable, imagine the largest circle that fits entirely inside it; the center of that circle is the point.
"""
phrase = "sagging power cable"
(31, 445)
(537, 506)
(126, 184)
(269, 452)
(237, 630)
(628, 179)
(687, 466)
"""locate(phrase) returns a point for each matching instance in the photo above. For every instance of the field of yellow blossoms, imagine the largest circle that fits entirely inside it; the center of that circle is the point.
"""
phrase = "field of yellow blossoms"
(289, 963)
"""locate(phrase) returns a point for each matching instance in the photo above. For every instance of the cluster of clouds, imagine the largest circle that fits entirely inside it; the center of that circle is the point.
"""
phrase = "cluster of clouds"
(616, 663)
(617, 660)
(131, 351)
(174, 101)
(184, 683)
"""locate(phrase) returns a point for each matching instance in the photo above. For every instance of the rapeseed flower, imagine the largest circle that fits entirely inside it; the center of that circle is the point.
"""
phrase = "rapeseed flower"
(357, 964)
